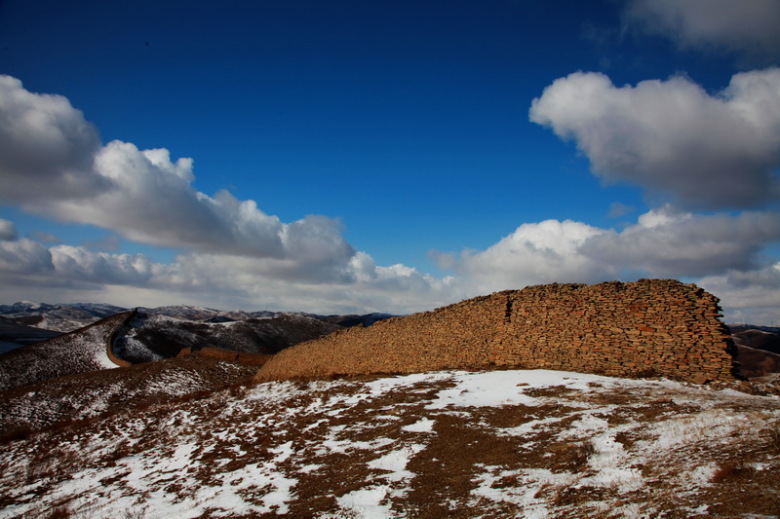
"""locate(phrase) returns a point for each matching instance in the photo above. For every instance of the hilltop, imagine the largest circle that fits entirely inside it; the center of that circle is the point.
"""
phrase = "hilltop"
(492, 444)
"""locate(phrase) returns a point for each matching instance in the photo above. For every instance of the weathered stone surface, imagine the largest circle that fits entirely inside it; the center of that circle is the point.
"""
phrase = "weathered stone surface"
(645, 328)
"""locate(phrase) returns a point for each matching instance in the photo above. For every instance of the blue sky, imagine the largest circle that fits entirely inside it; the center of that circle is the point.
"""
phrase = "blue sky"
(361, 156)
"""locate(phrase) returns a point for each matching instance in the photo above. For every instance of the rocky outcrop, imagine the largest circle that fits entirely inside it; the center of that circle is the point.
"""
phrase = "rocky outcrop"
(645, 328)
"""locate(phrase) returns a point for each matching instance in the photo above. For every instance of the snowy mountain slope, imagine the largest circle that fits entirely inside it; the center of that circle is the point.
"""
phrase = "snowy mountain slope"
(63, 318)
(155, 336)
(199, 313)
(76, 352)
(494, 444)
(69, 317)
(27, 409)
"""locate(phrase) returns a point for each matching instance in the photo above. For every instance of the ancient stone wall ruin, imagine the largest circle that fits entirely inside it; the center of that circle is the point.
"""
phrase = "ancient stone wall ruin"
(645, 328)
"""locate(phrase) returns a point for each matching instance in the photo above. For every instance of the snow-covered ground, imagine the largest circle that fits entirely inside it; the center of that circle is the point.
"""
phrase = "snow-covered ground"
(533, 444)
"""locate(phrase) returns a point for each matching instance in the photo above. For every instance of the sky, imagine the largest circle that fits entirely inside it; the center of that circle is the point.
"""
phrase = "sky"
(377, 156)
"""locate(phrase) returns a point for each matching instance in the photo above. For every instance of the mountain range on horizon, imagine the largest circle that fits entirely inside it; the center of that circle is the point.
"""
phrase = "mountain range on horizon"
(198, 429)
(66, 317)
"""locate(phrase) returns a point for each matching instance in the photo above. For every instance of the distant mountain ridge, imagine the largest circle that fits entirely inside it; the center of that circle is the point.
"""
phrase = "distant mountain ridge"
(58, 317)
(151, 334)
(72, 316)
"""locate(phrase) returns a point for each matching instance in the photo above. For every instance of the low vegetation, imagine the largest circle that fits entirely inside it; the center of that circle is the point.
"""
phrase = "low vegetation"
(443, 444)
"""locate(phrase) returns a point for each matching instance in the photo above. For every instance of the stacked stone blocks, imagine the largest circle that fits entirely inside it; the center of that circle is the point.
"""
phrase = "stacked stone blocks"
(647, 328)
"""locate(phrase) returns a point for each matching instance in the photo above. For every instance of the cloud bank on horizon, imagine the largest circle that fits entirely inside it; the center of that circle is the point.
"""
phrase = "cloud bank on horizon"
(706, 162)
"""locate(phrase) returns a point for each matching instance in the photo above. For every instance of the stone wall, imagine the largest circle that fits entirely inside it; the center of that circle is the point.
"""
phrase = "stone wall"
(647, 328)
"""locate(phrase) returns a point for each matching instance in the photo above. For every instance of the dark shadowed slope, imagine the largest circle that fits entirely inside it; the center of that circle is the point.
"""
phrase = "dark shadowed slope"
(767, 339)
(758, 350)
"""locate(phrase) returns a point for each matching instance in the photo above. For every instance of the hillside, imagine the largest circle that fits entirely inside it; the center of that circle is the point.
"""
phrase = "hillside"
(62, 400)
(62, 318)
(491, 444)
(760, 338)
(191, 437)
(77, 352)
(154, 336)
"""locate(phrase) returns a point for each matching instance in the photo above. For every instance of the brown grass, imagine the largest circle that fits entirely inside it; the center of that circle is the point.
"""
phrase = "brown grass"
(467, 448)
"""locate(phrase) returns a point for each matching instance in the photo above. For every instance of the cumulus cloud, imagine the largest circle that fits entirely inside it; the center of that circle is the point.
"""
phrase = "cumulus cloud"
(100, 267)
(62, 264)
(672, 137)
(669, 137)
(24, 256)
(52, 164)
(751, 296)
(749, 27)
(668, 243)
(359, 285)
(7, 230)
(663, 243)
(726, 249)
(46, 144)
(51, 161)
(549, 251)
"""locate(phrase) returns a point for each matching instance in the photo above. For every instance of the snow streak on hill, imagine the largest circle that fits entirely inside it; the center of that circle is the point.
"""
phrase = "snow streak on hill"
(530, 444)
(63, 318)
(154, 336)
(69, 354)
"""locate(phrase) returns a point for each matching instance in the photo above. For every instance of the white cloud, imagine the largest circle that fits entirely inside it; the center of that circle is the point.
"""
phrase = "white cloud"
(663, 243)
(749, 27)
(52, 164)
(549, 251)
(24, 256)
(666, 243)
(63, 272)
(7, 230)
(81, 264)
(45, 144)
(748, 296)
(668, 136)
(672, 137)
(232, 252)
